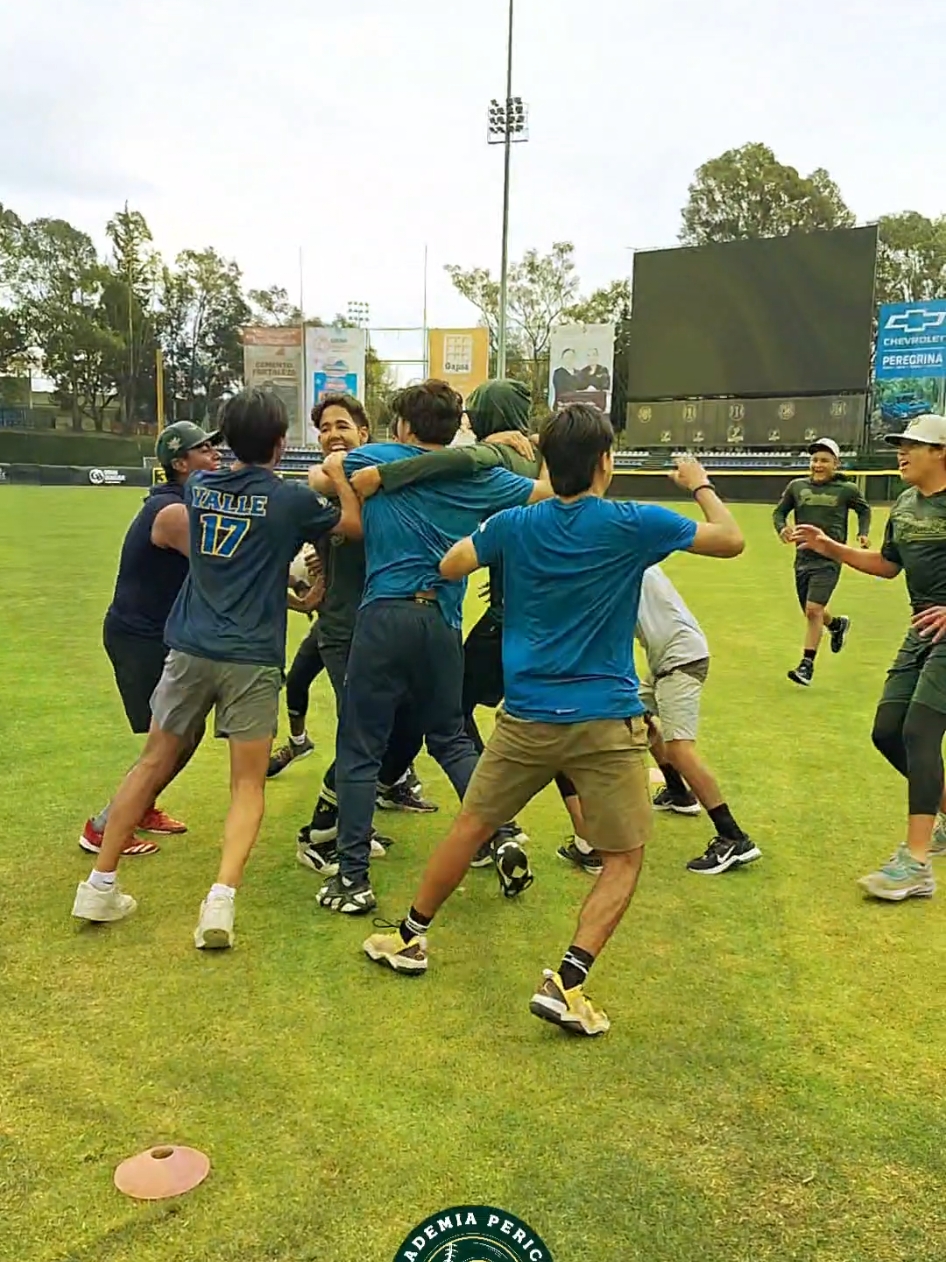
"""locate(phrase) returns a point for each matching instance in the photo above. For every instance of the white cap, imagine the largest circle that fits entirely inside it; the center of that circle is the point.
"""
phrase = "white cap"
(826, 444)
(928, 428)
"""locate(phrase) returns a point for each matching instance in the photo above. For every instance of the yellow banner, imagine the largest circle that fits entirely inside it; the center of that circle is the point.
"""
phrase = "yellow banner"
(460, 357)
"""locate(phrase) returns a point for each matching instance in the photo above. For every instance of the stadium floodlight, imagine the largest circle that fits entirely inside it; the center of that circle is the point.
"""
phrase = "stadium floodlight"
(358, 314)
(506, 125)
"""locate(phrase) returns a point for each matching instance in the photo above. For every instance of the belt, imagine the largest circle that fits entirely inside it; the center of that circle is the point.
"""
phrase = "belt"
(424, 598)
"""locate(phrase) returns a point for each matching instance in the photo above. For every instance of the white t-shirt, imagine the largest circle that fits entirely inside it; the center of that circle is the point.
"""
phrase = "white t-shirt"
(671, 636)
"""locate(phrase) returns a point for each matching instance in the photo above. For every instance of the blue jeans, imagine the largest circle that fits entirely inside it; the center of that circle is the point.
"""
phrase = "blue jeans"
(402, 651)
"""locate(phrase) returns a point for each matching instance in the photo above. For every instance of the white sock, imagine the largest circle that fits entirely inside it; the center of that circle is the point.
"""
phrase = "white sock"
(101, 880)
(222, 891)
(299, 740)
(582, 845)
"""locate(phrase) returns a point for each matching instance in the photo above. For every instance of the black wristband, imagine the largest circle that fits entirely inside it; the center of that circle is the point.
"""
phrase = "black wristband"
(706, 486)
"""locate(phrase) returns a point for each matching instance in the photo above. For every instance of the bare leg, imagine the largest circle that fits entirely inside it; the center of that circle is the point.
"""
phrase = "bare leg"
(450, 862)
(817, 616)
(609, 899)
(248, 763)
(683, 756)
(573, 806)
(137, 793)
(920, 836)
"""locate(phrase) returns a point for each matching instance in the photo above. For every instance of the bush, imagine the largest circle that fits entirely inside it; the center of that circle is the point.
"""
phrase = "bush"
(65, 448)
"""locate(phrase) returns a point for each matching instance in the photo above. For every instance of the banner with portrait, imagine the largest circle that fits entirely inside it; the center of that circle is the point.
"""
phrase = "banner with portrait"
(581, 365)
(335, 364)
(272, 360)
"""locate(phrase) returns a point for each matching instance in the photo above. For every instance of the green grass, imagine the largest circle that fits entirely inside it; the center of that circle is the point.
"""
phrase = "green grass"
(771, 1088)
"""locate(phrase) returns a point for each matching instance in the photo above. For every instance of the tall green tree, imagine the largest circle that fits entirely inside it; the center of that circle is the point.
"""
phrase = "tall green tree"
(15, 334)
(272, 307)
(911, 258)
(129, 300)
(607, 305)
(541, 288)
(202, 312)
(747, 192)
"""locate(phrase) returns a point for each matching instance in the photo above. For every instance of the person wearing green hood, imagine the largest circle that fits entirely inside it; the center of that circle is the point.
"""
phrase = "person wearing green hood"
(496, 407)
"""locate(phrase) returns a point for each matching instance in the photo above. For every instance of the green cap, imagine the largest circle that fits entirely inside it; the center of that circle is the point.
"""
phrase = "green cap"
(182, 437)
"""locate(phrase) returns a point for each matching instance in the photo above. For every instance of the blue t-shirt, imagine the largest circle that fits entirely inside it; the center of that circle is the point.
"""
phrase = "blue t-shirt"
(572, 581)
(407, 532)
(245, 528)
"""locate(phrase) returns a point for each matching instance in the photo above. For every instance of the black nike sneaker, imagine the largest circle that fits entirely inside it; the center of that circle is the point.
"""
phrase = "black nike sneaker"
(722, 854)
(803, 673)
(839, 629)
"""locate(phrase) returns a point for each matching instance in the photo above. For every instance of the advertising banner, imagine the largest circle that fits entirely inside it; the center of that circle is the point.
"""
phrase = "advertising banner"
(909, 364)
(272, 360)
(335, 364)
(581, 365)
(460, 357)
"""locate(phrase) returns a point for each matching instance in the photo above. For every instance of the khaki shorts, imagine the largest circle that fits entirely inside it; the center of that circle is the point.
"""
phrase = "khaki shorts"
(675, 700)
(245, 698)
(606, 759)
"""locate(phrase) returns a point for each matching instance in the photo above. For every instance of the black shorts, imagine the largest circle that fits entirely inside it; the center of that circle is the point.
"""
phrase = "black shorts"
(815, 584)
(138, 663)
(483, 665)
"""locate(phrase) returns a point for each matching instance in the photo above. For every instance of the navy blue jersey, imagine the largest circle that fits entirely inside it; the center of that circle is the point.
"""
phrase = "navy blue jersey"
(149, 578)
(246, 525)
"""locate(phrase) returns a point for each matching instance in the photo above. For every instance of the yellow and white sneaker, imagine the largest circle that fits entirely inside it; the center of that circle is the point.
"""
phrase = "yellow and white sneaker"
(571, 1009)
(214, 930)
(100, 906)
(391, 949)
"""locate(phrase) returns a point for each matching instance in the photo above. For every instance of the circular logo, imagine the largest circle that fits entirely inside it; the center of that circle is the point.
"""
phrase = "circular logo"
(786, 411)
(734, 434)
(644, 414)
(689, 411)
(97, 477)
(473, 1233)
(839, 407)
(737, 411)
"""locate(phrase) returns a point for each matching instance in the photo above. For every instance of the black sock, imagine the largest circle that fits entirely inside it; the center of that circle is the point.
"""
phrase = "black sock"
(829, 623)
(809, 655)
(674, 781)
(414, 925)
(724, 823)
(575, 966)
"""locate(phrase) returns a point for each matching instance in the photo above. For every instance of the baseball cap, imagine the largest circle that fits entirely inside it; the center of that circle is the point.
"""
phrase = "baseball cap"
(928, 428)
(181, 437)
(826, 444)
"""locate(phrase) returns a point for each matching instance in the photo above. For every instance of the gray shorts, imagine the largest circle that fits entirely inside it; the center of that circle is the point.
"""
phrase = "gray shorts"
(245, 698)
(675, 699)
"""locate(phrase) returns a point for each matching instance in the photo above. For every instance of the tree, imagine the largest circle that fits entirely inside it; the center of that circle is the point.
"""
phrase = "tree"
(911, 258)
(129, 305)
(271, 307)
(202, 313)
(540, 289)
(747, 192)
(14, 328)
(607, 305)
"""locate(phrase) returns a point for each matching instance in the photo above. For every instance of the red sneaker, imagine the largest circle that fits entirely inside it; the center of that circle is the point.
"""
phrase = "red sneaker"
(91, 842)
(157, 821)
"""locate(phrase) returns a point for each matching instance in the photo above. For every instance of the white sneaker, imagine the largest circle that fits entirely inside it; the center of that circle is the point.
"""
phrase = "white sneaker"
(214, 930)
(101, 905)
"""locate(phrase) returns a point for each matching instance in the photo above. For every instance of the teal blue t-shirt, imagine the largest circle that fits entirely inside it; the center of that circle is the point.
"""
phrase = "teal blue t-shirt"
(246, 525)
(571, 585)
(408, 532)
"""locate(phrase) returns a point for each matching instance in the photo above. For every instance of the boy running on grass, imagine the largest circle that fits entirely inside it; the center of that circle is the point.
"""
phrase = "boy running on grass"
(823, 499)
(911, 718)
(572, 571)
(227, 641)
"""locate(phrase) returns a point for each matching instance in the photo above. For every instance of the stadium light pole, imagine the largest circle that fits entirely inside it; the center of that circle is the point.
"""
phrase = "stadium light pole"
(506, 126)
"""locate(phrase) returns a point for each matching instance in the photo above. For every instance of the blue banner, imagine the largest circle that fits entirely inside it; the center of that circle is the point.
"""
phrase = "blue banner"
(911, 341)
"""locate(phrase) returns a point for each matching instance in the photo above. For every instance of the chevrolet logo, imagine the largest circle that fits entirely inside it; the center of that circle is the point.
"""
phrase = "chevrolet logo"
(916, 320)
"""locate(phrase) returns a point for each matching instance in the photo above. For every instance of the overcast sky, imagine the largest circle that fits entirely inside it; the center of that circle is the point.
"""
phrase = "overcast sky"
(357, 129)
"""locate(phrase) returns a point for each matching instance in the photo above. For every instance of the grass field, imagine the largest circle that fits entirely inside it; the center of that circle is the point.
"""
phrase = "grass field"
(772, 1085)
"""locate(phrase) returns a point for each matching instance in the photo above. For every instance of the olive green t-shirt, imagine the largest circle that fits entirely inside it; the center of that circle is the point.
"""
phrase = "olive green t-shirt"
(825, 505)
(343, 565)
(915, 539)
(458, 462)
